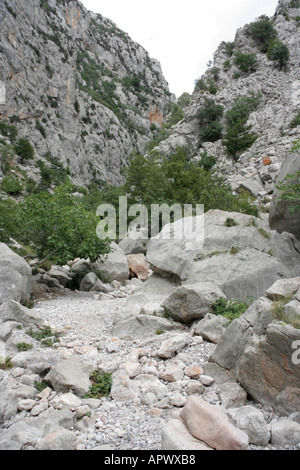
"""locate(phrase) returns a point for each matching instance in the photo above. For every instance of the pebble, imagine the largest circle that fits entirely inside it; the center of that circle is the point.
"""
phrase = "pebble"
(85, 325)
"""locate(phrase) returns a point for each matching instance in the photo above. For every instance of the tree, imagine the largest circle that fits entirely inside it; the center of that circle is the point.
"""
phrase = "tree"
(262, 31)
(24, 149)
(279, 53)
(290, 190)
(247, 63)
(238, 138)
(209, 117)
(59, 226)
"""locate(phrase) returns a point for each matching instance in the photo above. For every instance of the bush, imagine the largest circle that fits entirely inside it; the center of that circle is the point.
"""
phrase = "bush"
(11, 185)
(279, 53)
(24, 149)
(230, 309)
(247, 63)
(101, 385)
(207, 162)
(295, 121)
(209, 117)
(59, 226)
(262, 31)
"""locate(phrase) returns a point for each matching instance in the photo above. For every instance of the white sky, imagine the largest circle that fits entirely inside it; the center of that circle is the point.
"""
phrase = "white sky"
(181, 35)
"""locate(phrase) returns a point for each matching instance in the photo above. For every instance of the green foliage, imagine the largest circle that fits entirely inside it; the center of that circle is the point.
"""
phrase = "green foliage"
(262, 31)
(295, 121)
(209, 117)
(8, 131)
(184, 100)
(154, 179)
(279, 53)
(41, 333)
(230, 309)
(7, 223)
(59, 226)
(207, 162)
(11, 185)
(24, 346)
(238, 137)
(294, 4)
(229, 48)
(230, 222)
(176, 115)
(24, 149)
(290, 191)
(247, 63)
(101, 385)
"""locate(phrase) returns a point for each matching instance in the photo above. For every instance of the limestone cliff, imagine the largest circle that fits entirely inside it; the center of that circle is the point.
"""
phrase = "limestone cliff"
(77, 87)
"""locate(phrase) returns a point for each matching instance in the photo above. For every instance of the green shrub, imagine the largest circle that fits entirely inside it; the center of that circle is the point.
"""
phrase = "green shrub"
(8, 131)
(209, 116)
(247, 63)
(24, 346)
(290, 191)
(230, 309)
(24, 149)
(207, 162)
(279, 53)
(262, 31)
(230, 222)
(101, 385)
(11, 185)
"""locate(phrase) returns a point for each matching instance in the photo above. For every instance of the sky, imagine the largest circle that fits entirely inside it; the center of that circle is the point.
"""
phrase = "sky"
(181, 35)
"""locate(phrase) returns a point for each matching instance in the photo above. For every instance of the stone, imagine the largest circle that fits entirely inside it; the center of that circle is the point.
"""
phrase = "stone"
(141, 325)
(14, 311)
(175, 436)
(150, 383)
(211, 327)
(292, 310)
(190, 302)
(281, 218)
(138, 267)
(237, 258)
(123, 388)
(136, 242)
(232, 395)
(173, 345)
(251, 420)
(210, 424)
(8, 404)
(91, 282)
(172, 373)
(194, 387)
(285, 432)
(193, 371)
(283, 288)
(29, 432)
(61, 275)
(70, 375)
(58, 440)
(15, 276)
(113, 266)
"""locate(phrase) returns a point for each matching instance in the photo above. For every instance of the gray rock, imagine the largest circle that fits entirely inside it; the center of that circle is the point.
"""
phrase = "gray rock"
(281, 218)
(258, 352)
(58, 440)
(211, 327)
(8, 405)
(190, 302)
(114, 266)
(173, 345)
(15, 276)
(13, 311)
(232, 395)
(237, 258)
(91, 282)
(283, 288)
(29, 432)
(175, 436)
(252, 422)
(70, 375)
(285, 432)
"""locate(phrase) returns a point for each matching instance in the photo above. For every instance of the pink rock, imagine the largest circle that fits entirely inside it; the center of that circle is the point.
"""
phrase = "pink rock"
(210, 424)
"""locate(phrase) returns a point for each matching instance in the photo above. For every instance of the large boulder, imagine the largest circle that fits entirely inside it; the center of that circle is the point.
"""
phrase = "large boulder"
(70, 375)
(239, 253)
(15, 276)
(113, 266)
(192, 302)
(281, 218)
(260, 353)
(211, 425)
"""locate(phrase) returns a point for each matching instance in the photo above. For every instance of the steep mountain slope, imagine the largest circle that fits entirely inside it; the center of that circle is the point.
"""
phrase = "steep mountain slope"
(251, 73)
(77, 88)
